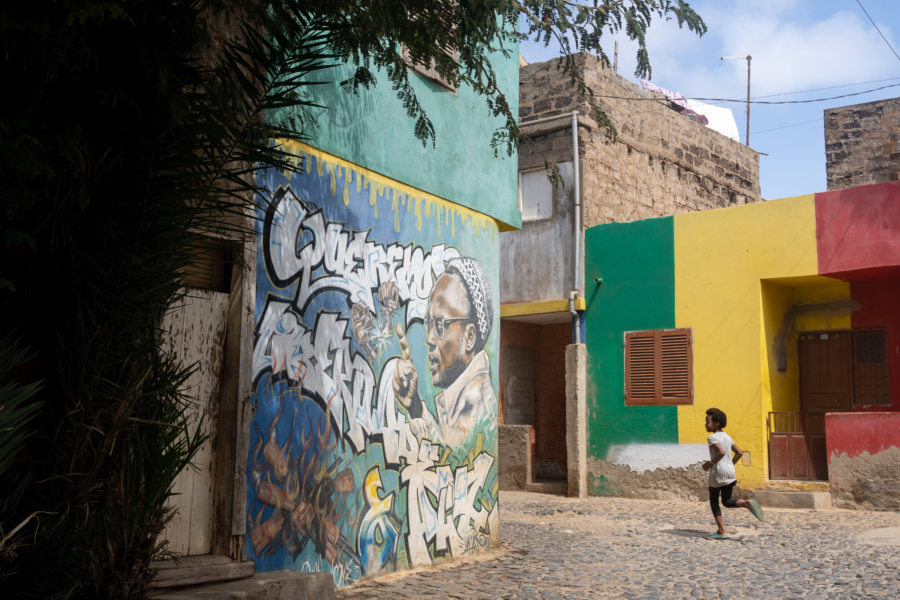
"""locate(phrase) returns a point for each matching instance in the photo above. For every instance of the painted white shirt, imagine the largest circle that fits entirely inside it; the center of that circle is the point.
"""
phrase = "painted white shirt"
(465, 406)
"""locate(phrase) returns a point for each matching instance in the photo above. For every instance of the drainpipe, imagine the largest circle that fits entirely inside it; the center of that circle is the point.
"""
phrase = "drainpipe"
(578, 251)
(578, 254)
(576, 322)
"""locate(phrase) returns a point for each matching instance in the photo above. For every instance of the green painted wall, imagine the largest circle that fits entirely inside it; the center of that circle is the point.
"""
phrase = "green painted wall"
(616, 252)
(371, 129)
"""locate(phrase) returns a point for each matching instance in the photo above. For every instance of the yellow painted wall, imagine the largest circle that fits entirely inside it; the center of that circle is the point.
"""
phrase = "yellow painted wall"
(814, 294)
(780, 388)
(721, 260)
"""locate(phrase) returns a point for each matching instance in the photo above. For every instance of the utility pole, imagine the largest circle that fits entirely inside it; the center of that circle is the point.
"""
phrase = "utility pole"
(748, 57)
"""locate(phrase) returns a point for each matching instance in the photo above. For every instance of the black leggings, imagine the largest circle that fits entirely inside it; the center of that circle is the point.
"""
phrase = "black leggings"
(727, 500)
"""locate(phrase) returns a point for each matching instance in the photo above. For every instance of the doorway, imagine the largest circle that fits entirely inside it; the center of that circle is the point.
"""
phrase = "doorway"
(826, 385)
(533, 390)
(839, 370)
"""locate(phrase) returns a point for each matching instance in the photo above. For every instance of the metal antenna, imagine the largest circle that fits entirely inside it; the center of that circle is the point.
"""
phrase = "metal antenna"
(748, 57)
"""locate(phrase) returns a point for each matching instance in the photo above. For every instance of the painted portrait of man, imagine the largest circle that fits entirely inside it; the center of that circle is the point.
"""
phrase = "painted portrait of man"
(458, 321)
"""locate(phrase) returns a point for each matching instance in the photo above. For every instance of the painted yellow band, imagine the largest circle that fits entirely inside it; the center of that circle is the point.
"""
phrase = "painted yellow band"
(538, 308)
(334, 164)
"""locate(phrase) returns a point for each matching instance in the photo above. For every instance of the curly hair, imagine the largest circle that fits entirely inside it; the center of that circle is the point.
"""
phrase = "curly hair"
(717, 416)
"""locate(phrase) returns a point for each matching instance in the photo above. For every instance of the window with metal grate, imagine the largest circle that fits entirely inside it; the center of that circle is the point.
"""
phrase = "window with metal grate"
(659, 367)
(871, 378)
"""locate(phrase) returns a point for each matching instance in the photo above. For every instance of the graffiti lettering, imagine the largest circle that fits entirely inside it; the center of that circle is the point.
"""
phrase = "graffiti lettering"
(297, 242)
(346, 472)
(458, 520)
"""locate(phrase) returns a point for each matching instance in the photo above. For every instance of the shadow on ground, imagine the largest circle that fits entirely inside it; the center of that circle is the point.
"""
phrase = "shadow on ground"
(688, 533)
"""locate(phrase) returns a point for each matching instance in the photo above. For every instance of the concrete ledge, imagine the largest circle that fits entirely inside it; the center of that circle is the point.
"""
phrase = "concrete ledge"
(558, 487)
(275, 585)
(793, 499)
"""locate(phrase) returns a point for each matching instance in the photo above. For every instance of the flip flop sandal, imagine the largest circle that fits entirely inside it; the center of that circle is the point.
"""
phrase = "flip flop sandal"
(757, 510)
(716, 536)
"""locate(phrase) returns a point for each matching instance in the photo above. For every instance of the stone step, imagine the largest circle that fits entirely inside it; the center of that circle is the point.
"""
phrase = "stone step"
(548, 486)
(274, 585)
(815, 500)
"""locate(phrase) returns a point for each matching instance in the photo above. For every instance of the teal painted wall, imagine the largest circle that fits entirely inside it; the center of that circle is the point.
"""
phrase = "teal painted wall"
(616, 252)
(372, 129)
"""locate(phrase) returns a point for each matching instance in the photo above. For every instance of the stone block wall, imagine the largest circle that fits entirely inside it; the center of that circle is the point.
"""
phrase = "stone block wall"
(514, 454)
(861, 144)
(661, 162)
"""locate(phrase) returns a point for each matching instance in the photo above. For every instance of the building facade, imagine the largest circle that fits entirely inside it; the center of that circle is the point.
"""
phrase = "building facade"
(353, 398)
(661, 162)
(782, 314)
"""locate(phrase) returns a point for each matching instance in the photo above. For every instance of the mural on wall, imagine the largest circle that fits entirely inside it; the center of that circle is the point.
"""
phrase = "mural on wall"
(373, 443)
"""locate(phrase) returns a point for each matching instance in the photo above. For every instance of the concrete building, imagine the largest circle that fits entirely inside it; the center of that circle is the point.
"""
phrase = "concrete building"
(661, 162)
(782, 314)
(358, 408)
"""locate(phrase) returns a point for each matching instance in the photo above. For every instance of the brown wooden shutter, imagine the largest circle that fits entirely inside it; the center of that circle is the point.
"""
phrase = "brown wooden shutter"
(430, 71)
(871, 375)
(676, 366)
(658, 367)
(640, 367)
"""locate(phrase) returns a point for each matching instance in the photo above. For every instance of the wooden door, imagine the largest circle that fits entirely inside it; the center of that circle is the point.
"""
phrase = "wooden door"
(195, 332)
(826, 385)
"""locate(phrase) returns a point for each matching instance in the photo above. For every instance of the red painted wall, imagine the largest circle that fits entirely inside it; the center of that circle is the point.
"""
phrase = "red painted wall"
(879, 306)
(855, 433)
(858, 231)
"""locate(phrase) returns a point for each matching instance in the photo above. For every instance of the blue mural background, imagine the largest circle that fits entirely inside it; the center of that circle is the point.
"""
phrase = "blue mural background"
(342, 477)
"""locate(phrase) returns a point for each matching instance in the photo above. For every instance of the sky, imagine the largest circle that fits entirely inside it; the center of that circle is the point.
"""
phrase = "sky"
(800, 49)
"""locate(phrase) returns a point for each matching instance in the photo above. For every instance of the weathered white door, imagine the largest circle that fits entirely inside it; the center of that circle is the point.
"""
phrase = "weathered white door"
(196, 333)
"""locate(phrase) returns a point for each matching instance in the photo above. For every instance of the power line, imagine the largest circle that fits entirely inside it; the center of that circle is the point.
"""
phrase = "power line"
(884, 87)
(788, 126)
(744, 100)
(878, 30)
(832, 87)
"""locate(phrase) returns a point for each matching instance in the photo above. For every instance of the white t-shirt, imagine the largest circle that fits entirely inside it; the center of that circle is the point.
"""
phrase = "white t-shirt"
(721, 473)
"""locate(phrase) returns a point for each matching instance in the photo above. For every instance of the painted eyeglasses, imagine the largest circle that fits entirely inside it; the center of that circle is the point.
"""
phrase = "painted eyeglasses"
(440, 323)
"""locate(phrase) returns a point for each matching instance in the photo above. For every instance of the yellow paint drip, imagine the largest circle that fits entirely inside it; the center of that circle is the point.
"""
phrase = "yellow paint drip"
(418, 213)
(378, 186)
(396, 212)
(347, 186)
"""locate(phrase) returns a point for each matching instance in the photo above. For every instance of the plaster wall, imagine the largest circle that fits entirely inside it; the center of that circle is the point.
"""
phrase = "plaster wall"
(864, 459)
(718, 295)
(746, 281)
(636, 263)
(537, 261)
(859, 232)
(372, 129)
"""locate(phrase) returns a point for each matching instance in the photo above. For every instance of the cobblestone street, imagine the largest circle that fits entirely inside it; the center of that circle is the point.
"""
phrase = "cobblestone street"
(557, 547)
